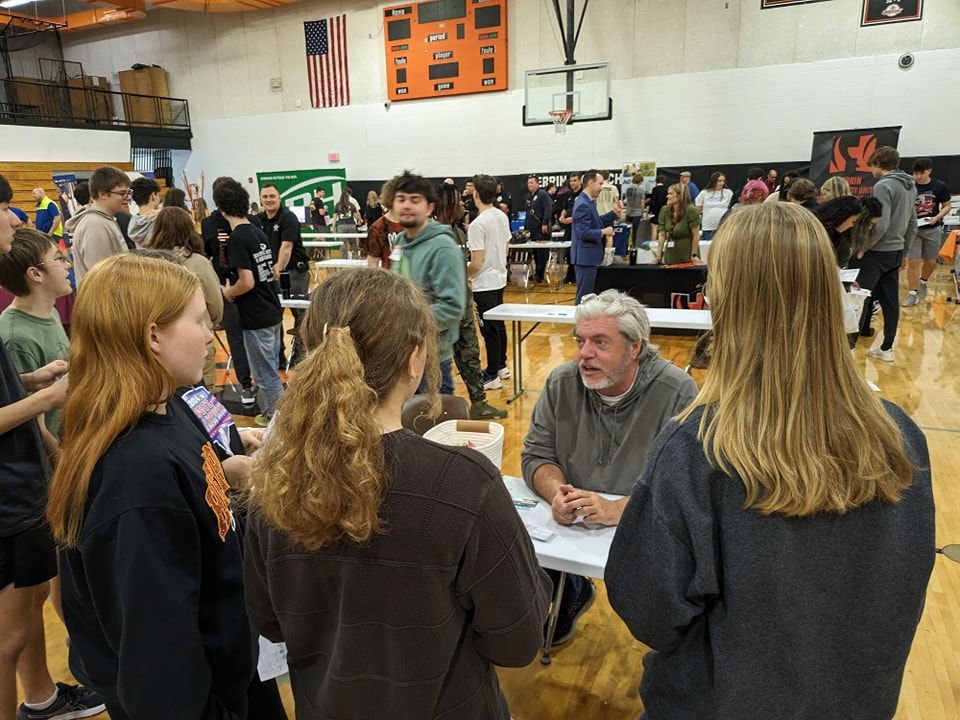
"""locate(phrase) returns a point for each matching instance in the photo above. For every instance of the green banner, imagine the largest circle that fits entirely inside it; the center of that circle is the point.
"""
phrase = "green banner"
(298, 186)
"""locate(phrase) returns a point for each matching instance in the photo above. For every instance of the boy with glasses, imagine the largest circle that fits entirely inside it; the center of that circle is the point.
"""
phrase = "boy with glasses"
(96, 234)
(37, 273)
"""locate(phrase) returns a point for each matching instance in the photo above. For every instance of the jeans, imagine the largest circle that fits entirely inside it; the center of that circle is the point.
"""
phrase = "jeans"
(238, 352)
(263, 351)
(586, 281)
(880, 273)
(446, 379)
(466, 354)
(494, 331)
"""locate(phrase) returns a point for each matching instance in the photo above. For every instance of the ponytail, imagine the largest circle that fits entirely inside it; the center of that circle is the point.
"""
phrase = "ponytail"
(320, 476)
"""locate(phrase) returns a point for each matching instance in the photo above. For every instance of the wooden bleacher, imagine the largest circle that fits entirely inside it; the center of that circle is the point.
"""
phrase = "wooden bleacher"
(25, 176)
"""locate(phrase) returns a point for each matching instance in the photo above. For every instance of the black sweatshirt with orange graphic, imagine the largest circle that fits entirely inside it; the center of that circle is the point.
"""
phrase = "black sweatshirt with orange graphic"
(153, 594)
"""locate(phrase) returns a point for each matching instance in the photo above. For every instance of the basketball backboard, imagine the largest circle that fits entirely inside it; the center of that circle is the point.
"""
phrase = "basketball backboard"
(584, 89)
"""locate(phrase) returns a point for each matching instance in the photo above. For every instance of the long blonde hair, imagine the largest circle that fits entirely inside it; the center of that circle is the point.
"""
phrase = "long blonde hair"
(114, 374)
(321, 476)
(784, 407)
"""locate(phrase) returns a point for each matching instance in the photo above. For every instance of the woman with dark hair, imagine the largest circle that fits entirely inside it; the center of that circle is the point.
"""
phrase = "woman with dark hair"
(780, 194)
(175, 197)
(713, 202)
(838, 217)
(346, 219)
(466, 350)
(396, 569)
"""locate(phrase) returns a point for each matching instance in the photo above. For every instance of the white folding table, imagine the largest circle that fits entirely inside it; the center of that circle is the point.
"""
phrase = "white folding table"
(517, 313)
(579, 548)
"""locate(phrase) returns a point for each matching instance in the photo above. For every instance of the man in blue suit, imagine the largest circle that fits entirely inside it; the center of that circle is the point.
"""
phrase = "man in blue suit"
(592, 234)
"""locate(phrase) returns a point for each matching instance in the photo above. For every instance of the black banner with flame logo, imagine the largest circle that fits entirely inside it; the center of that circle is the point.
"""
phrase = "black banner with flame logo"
(846, 152)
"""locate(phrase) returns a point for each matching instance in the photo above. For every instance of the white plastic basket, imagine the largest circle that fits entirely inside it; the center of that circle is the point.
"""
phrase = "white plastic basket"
(484, 437)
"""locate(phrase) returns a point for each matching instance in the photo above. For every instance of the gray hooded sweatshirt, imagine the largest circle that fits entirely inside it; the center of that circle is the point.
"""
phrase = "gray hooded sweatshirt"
(897, 227)
(603, 447)
(96, 236)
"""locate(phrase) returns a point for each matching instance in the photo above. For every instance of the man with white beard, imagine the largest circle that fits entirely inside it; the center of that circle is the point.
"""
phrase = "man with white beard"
(595, 422)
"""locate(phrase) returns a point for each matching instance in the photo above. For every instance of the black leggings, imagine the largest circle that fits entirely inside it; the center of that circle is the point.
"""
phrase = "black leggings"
(494, 331)
(880, 273)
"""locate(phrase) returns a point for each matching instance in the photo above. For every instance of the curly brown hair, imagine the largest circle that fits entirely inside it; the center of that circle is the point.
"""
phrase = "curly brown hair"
(321, 476)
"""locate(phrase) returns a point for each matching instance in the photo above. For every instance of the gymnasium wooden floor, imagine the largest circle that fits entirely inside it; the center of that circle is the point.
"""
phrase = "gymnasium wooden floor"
(596, 675)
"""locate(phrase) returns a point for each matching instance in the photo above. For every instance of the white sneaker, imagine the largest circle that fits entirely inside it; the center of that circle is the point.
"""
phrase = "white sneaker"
(884, 355)
(504, 373)
(921, 290)
(912, 298)
(491, 382)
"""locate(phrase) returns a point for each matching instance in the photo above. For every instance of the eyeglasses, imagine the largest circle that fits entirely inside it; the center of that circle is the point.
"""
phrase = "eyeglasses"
(59, 257)
(122, 193)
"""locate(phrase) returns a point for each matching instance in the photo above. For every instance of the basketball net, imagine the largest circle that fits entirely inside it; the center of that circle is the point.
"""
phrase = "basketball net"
(560, 120)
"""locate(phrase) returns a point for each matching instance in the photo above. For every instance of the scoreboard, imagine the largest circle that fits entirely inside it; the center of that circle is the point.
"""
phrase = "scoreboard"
(445, 47)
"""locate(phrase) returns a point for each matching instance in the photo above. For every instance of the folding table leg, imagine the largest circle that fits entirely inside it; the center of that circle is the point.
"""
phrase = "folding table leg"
(516, 332)
(552, 622)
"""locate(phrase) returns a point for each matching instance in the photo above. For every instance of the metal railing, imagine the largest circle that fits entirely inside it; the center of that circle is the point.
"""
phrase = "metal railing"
(29, 102)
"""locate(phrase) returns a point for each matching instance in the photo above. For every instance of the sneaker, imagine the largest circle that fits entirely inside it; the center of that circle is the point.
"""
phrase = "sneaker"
(248, 397)
(504, 373)
(262, 420)
(482, 410)
(491, 382)
(884, 355)
(921, 290)
(72, 702)
(911, 299)
(571, 612)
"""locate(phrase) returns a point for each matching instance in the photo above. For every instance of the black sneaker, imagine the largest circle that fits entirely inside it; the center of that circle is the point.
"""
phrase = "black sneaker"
(248, 397)
(72, 702)
(571, 612)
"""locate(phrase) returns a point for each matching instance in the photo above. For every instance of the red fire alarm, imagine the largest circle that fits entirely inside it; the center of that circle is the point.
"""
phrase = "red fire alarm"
(333, 157)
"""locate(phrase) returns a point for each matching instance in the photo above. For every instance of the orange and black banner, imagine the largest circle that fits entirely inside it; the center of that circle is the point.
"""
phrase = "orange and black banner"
(881, 12)
(846, 152)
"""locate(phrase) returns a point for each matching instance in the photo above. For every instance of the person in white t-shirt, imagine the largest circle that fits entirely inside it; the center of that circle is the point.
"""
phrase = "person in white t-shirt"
(487, 239)
(713, 202)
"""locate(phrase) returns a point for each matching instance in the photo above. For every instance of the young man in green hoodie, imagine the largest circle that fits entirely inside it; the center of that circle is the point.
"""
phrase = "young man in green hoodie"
(428, 254)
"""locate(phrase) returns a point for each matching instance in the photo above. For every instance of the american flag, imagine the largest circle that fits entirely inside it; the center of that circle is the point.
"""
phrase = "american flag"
(327, 72)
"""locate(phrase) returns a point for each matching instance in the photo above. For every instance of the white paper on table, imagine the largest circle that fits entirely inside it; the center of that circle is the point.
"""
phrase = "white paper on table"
(273, 660)
(849, 275)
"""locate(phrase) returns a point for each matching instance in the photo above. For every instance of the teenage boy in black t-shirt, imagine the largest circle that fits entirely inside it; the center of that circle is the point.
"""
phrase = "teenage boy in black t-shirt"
(215, 231)
(933, 205)
(254, 292)
(28, 559)
(318, 210)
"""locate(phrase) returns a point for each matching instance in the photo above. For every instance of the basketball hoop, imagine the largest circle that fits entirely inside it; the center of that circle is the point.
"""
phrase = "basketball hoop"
(560, 119)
